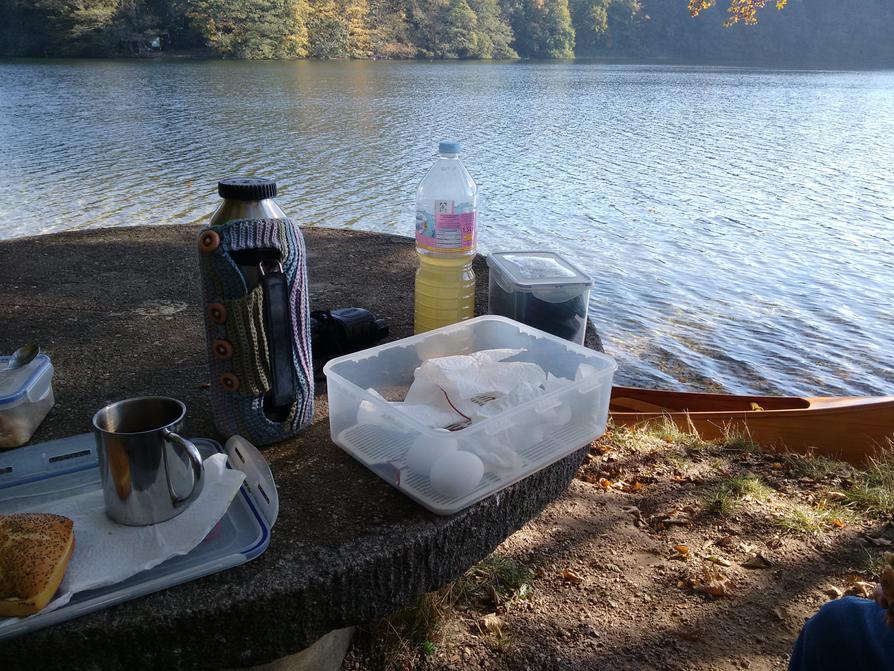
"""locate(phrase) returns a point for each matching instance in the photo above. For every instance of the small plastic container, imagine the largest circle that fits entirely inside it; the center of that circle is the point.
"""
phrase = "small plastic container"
(540, 289)
(26, 396)
(540, 431)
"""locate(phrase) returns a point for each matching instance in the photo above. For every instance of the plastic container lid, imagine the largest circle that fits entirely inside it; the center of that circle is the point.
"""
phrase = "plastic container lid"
(21, 382)
(448, 147)
(539, 270)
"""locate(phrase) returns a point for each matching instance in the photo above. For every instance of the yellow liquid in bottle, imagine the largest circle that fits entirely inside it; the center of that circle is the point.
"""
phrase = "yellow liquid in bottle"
(445, 291)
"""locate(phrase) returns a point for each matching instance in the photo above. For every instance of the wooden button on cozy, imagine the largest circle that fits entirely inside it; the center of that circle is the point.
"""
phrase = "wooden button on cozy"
(229, 381)
(223, 349)
(209, 241)
(217, 313)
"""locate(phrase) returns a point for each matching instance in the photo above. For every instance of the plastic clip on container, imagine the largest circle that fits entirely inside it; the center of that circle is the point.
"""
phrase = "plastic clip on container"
(26, 396)
(540, 289)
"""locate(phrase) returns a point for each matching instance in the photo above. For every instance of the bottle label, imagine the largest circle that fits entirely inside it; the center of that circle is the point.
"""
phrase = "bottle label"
(447, 227)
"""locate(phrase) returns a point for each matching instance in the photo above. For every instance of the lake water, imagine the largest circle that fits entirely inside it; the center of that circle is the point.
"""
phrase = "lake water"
(738, 223)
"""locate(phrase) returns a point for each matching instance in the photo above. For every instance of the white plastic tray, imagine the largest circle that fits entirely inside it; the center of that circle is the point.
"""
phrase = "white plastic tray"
(68, 467)
(380, 439)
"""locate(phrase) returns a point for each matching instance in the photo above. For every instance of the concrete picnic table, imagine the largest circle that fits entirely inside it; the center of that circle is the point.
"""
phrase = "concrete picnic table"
(119, 312)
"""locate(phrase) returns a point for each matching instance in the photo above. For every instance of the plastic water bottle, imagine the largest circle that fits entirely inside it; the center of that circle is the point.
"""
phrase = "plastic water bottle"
(446, 237)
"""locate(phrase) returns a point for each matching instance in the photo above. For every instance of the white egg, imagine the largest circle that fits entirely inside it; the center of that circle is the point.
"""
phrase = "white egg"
(367, 413)
(456, 473)
(559, 416)
(426, 450)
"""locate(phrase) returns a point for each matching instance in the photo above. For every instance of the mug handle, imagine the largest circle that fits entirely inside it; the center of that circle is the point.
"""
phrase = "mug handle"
(198, 470)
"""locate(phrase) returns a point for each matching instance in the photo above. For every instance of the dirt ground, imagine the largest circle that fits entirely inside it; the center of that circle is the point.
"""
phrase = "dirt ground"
(665, 553)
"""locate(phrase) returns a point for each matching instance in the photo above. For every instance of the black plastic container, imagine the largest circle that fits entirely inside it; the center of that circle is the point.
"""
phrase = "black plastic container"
(542, 290)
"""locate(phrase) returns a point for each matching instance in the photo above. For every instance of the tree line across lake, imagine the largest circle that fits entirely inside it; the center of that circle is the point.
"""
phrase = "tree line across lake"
(804, 32)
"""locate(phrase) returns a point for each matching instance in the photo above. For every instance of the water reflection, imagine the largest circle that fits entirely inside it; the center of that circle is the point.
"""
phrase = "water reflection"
(739, 223)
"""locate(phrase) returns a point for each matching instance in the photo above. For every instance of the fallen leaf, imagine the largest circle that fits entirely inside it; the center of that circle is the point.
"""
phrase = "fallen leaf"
(757, 560)
(601, 447)
(726, 541)
(720, 561)
(776, 466)
(838, 523)
(604, 483)
(835, 496)
(777, 611)
(629, 488)
(878, 542)
(713, 582)
(775, 542)
(571, 576)
(833, 591)
(681, 552)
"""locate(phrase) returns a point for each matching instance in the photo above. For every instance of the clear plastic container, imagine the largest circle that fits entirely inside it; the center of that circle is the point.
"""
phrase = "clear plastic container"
(540, 431)
(540, 289)
(26, 396)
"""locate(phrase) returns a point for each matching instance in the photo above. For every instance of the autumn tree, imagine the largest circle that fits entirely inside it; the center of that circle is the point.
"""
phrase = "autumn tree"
(738, 10)
(328, 30)
(542, 28)
(493, 31)
(357, 23)
(809, 32)
(390, 30)
(605, 24)
(252, 28)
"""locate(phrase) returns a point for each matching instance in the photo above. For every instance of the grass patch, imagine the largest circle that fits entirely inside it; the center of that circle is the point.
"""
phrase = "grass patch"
(873, 563)
(750, 485)
(805, 520)
(495, 578)
(873, 488)
(402, 639)
(720, 502)
(725, 498)
(815, 467)
(621, 436)
(737, 439)
(667, 430)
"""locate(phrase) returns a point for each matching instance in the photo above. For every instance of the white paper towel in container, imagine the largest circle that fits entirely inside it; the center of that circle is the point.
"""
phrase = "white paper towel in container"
(107, 553)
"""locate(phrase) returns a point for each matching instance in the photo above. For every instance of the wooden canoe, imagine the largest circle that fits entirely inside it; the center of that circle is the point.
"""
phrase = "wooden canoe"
(848, 428)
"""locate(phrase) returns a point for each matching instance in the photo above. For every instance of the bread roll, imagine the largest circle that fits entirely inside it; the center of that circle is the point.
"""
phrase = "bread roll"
(34, 553)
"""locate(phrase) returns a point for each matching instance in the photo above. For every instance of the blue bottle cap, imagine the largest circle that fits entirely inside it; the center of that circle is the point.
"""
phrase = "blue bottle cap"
(448, 147)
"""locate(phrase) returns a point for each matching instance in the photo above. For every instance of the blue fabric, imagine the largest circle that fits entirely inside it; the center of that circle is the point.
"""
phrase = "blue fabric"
(848, 633)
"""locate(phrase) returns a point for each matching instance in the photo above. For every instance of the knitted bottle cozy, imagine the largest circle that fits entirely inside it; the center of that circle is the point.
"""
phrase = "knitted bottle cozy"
(235, 333)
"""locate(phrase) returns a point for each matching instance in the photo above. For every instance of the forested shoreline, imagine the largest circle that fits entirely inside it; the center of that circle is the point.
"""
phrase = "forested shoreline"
(804, 32)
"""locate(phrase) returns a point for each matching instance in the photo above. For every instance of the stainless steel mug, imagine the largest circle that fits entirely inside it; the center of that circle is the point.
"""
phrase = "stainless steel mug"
(145, 466)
